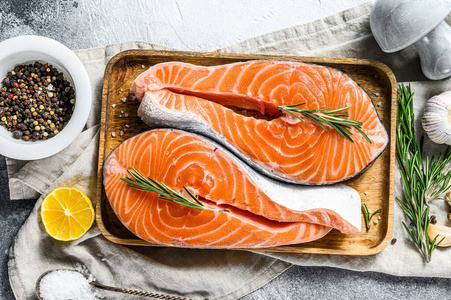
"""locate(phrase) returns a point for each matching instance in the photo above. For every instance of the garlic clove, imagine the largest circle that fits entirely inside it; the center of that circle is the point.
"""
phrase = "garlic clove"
(437, 118)
(448, 197)
(442, 232)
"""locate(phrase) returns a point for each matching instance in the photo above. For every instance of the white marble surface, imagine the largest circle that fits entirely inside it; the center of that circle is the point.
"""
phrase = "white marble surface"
(198, 25)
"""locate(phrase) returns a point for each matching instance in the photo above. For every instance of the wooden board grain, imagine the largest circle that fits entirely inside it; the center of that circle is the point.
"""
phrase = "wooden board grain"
(119, 122)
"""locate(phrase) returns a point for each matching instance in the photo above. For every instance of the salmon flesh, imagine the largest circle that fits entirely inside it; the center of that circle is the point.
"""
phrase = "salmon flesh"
(237, 106)
(261, 212)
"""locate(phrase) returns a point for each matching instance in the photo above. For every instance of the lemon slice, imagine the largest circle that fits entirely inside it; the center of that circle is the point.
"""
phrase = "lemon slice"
(67, 213)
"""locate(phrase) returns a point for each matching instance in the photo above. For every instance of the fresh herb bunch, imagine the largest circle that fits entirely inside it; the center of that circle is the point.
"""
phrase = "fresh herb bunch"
(139, 182)
(424, 178)
(337, 119)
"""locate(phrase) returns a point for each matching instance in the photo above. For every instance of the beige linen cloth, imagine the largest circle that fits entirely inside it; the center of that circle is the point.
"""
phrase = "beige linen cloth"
(212, 274)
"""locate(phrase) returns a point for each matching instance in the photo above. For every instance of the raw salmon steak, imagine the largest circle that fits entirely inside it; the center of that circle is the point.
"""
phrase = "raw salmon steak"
(262, 212)
(236, 105)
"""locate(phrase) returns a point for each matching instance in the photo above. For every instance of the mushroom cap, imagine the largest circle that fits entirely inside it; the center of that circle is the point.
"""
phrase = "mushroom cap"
(397, 24)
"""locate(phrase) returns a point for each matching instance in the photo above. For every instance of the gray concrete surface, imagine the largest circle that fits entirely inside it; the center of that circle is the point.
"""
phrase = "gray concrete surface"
(203, 26)
(12, 216)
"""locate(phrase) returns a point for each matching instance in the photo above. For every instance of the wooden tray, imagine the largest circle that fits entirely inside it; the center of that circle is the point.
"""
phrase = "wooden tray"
(375, 186)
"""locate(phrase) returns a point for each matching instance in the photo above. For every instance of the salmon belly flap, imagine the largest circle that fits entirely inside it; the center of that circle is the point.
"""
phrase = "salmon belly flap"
(260, 212)
(217, 101)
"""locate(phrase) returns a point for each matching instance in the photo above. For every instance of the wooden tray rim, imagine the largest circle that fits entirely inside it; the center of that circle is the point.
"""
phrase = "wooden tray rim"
(319, 60)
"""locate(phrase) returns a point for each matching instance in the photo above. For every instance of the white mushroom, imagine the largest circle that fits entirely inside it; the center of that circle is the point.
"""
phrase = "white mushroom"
(397, 24)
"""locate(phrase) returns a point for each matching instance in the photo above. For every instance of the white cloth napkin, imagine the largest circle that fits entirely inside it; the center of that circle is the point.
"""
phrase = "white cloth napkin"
(213, 274)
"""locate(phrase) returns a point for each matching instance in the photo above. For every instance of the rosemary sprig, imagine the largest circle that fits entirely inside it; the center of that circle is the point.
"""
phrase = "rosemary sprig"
(337, 119)
(139, 182)
(423, 178)
(367, 216)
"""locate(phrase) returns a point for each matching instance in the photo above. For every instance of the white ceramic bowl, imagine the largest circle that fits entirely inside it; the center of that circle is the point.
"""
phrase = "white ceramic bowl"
(28, 49)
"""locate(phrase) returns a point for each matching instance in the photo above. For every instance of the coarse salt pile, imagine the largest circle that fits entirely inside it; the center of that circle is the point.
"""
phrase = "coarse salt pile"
(62, 285)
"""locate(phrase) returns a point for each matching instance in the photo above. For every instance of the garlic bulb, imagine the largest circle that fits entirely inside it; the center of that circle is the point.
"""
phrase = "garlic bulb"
(437, 118)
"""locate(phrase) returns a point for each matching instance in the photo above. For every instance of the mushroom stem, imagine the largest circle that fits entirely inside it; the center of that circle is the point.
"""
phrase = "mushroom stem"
(435, 52)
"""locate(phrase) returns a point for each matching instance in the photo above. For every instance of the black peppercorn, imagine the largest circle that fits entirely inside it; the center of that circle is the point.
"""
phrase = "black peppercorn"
(35, 135)
(433, 219)
(17, 134)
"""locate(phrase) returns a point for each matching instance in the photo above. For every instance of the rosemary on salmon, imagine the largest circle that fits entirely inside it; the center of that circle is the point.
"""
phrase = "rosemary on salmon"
(423, 178)
(337, 119)
(139, 182)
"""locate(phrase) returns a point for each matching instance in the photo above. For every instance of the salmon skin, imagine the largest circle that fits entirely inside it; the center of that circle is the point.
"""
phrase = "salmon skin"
(262, 212)
(215, 101)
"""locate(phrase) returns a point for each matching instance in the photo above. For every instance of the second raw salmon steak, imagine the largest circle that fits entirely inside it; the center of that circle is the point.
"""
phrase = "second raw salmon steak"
(217, 101)
(261, 212)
